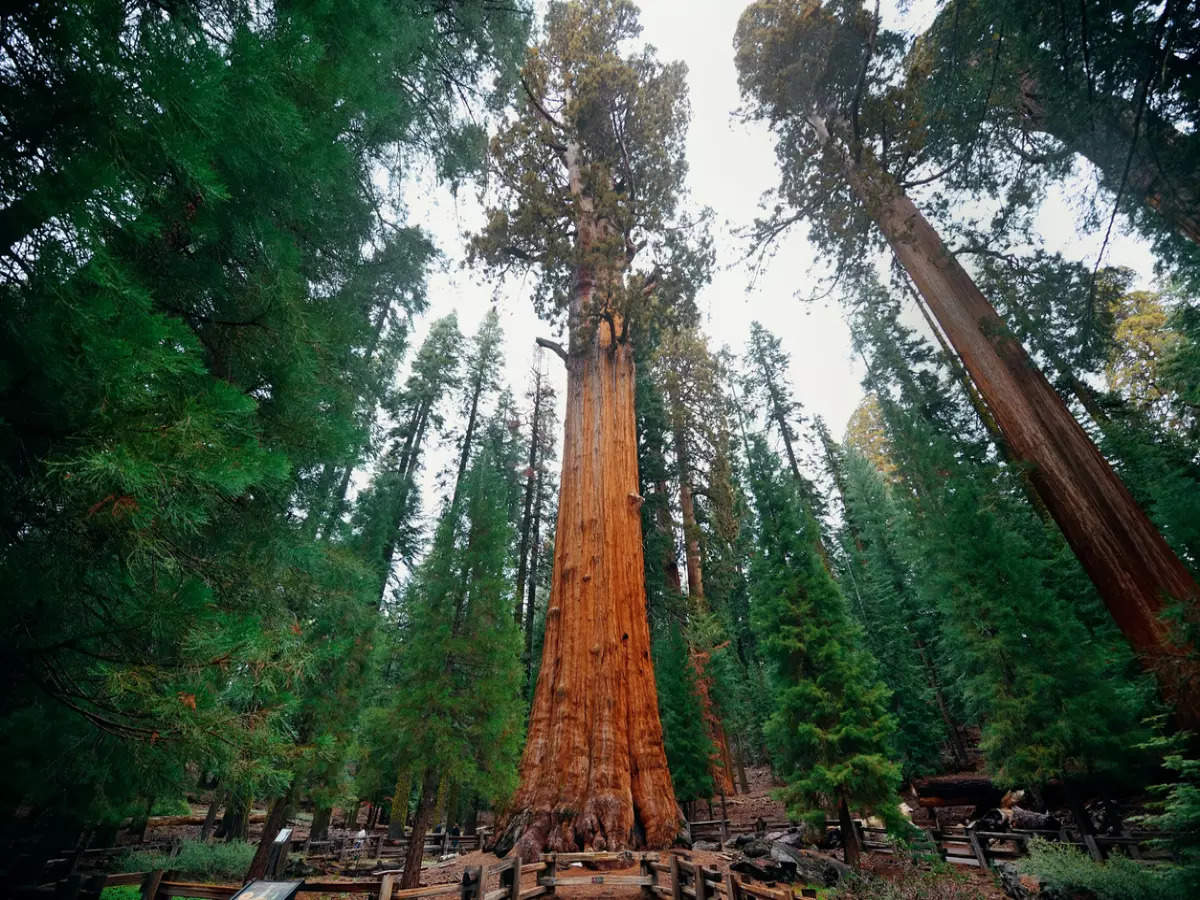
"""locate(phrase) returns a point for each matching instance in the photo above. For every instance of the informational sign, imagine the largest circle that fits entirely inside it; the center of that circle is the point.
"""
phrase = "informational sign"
(268, 890)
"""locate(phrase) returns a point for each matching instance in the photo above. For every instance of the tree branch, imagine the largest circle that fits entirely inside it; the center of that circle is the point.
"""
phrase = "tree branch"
(537, 104)
(555, 346)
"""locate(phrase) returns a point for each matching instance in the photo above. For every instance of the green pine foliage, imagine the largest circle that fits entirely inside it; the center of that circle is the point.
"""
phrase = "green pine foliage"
(205, 294)
(687, 743)
(457, 678)
(900, 633)
(830, 731)
(1042, 669)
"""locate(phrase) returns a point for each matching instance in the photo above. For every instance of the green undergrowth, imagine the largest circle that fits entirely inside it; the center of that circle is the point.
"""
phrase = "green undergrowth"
(203, 862)
(1066, 869)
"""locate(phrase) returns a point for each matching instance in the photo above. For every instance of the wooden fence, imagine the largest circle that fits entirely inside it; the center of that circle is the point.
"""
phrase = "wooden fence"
(380, 846)
(967, 847)
(660, 875)
(971, 847)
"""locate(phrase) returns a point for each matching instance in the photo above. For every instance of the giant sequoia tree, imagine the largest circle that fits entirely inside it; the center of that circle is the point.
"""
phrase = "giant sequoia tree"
(850, 149)
(589, 176)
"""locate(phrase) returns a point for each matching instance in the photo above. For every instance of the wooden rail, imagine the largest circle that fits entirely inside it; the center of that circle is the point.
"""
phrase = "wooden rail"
(971, 847)
(683, 878)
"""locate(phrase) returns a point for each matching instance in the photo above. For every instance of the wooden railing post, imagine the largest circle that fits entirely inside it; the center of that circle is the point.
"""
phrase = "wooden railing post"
(551, 872)
(1093, 848)
(732, 888)
(472, 883)
(510, 879)
(979, 850)
(150, 884)
(701, 884)
(385, 886)
(648, 870)
(676, 887)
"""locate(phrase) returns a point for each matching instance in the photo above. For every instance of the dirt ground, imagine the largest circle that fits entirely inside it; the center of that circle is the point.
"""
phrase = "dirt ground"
(880, 865)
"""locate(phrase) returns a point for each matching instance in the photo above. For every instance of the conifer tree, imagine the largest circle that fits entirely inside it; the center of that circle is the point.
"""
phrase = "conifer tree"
(1040, 666)
(690, 376)
(689, 750)
(820, 74)
(589, 188)
(830, 732)
(203, 289)
(539, 481)
(456, 710)
(480, 379)
(900, 632)
(385, 516)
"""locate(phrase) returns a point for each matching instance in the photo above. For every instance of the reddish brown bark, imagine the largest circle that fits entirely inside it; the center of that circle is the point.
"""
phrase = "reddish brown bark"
(719, 763)
(420, 824)
(1127, 559)
(594, 773)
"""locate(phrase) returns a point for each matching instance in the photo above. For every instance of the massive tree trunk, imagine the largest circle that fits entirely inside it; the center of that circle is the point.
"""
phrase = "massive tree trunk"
(416, 840)
(594, 774)
(1127, 559)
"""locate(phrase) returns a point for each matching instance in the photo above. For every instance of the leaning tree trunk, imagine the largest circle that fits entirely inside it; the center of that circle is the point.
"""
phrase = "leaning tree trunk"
(594, 773)
(416, 840)
(851, 850)
(1127, 559)
(275, 821)
(210, 817)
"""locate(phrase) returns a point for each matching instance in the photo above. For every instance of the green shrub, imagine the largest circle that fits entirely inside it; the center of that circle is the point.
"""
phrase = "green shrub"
(170, 806)
(204, 862)
(1066, 869)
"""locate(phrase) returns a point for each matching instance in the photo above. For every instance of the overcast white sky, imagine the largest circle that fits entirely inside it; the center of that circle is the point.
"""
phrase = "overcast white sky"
(731, 165)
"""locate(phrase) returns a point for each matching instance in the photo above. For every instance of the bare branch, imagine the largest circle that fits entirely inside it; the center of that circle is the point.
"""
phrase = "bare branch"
(555, 346)
(537, 104)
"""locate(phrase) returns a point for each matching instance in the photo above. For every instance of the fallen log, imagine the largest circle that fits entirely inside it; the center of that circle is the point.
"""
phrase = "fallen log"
(957, 790)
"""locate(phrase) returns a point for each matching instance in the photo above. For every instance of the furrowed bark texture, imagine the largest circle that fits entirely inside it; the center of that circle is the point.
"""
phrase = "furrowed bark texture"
(594, 774)
(1127, 559)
